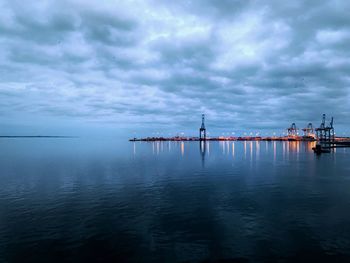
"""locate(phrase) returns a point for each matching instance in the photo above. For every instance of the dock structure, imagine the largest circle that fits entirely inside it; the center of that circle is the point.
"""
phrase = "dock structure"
(292, 130)
(202, 131)
(325, 133)
(309, 130)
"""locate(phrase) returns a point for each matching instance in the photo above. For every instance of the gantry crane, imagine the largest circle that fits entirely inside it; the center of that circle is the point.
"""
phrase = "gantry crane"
(308, 131)
(325, 133)
(292, 130)
(202, 130)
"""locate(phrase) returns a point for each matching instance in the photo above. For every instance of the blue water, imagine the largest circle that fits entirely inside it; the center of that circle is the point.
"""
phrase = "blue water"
(80, 200)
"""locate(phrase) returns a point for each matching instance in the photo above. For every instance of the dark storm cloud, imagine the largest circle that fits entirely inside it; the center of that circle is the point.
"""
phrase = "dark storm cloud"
(246, 64)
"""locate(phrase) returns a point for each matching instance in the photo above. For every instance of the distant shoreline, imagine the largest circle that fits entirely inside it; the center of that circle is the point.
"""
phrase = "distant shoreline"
(35, 136)
(247, 138)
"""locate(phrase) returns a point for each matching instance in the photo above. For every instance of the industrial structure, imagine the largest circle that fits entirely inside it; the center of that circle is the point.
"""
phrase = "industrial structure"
(325, 133)
(309, 130)
(202, 131)
(292, 130)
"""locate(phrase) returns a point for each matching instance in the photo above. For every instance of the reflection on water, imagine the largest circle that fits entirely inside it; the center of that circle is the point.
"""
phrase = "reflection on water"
(110, 201)
(252, 149)
(202, 147)
(247, 150)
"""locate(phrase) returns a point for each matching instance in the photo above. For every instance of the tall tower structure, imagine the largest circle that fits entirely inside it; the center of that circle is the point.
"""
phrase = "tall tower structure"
(202, 131)
(325, 133)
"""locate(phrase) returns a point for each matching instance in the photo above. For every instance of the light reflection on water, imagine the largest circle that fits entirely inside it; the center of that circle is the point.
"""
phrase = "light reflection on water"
(250, 148)
(115, 201)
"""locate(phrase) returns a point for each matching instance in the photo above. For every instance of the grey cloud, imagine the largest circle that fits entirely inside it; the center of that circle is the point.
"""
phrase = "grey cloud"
(246, 64)
(224, 9)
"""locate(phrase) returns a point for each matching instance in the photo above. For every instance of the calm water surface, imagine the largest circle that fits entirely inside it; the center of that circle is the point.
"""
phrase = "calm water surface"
(79, 200)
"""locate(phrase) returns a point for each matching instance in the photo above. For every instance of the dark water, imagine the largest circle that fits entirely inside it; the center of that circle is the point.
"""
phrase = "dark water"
(75, 200)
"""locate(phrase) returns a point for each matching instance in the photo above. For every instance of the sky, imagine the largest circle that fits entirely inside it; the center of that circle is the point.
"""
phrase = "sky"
(142, 68)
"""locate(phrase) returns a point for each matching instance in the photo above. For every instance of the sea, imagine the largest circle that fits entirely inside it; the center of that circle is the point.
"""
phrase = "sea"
(111, 200)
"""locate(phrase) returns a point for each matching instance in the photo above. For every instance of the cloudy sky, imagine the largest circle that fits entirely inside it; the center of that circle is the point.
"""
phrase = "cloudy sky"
(156, 66)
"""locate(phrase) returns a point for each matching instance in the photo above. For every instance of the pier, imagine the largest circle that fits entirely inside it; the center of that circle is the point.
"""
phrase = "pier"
(220, 138)
(324, 134)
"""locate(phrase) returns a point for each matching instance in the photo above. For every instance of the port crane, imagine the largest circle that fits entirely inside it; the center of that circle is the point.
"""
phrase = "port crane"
(292, 130)
(202, 131)
(325, 133)
(309, 130)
